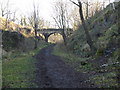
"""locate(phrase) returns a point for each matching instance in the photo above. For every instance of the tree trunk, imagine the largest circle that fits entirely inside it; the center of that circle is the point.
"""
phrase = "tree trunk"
(35, 44)
(87, 10)
(88, 38)
(35, 38)
(64, 37)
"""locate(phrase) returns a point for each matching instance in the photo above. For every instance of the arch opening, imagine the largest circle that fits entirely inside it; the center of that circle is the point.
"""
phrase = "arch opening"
(55, 38)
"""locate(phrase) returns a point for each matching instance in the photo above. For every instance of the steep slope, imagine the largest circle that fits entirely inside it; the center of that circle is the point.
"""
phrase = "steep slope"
(16, 37)
(27, 31)
(103, 28)
(11, 25)
(103, 67)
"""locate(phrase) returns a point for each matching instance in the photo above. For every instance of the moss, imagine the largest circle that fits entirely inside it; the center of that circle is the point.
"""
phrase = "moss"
(100, 52)
(108, 13)
(112, 31)
(116, 53)
(109, 38)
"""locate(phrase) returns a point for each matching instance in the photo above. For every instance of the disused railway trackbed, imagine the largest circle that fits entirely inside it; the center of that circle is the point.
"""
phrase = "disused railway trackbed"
(52, 72)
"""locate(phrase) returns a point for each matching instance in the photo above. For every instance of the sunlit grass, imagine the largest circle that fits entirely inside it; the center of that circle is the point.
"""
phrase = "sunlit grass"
(18, 70)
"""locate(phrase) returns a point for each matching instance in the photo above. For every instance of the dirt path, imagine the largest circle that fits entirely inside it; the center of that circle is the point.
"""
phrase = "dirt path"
(52, 72)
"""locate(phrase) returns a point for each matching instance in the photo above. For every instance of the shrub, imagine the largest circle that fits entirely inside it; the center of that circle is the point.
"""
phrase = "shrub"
(11, 40)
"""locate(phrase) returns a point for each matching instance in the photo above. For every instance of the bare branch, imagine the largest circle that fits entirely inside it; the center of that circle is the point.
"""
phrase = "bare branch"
(74, 3)
(56, 22)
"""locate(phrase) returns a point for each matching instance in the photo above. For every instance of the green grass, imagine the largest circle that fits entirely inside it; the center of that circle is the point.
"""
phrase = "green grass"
(105, 80)
(18, 69)
(70, 58)
(85, 68)
(102, 80)
(60, 50)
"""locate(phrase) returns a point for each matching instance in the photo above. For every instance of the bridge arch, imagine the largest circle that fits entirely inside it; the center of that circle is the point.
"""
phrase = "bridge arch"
(46, 35)
(49, 32)
(55, 38)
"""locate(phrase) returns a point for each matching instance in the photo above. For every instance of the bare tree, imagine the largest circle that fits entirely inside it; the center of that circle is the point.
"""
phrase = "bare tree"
(87, 8)
(75, 19)
(109, 1)
(13, 16)
(35, 16)
(88, 38)
(7, 13)
(98, 6)
(61, 17)
(41, 22)
(23, 21)
(44, 24)
(93, 7)
(31, 20)
(103, 5)
(3, 8)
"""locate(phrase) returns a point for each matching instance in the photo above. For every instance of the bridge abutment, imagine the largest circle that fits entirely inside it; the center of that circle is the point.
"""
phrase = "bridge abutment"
(46, 36)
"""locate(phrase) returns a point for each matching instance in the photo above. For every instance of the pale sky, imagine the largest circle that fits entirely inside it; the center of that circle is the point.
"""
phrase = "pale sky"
(24, 7)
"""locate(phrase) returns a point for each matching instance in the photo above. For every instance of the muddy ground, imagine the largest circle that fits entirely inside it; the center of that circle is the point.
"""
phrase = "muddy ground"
(52, 72)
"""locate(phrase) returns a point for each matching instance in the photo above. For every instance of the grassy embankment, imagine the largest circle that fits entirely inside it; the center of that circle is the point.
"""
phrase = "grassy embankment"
(100, 78)
(18, 69)
(103, 28)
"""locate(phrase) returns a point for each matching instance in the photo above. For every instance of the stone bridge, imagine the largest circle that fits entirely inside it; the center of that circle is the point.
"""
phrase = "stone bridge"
(48, 32)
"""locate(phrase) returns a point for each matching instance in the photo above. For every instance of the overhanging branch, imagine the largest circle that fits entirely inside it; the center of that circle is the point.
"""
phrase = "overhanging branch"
(74, 3)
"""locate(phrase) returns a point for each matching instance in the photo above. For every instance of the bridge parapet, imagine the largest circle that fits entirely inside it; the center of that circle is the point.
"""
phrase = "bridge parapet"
(49, 30)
